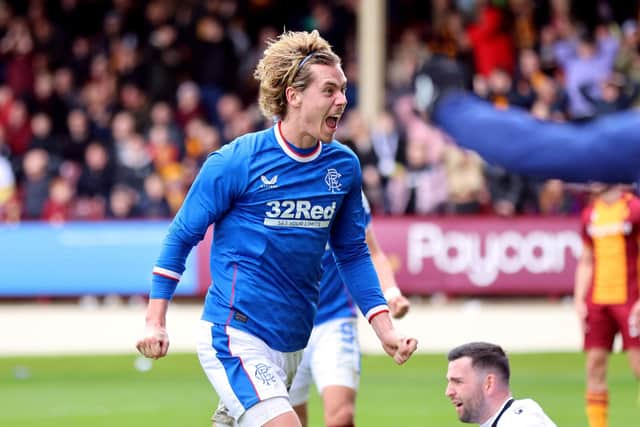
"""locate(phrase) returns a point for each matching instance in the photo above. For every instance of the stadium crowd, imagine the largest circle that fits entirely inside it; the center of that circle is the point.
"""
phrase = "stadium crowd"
(109, 107)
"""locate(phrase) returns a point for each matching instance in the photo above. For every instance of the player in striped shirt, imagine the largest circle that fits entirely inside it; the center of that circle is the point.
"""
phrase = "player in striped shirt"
(607, 295)
(276, 197)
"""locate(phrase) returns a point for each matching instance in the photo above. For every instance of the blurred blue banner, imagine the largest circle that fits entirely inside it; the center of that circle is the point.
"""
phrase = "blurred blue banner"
(95, 258)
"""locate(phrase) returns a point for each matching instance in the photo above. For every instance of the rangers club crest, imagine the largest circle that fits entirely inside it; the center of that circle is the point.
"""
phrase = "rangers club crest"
(264, 374)
(332, 179)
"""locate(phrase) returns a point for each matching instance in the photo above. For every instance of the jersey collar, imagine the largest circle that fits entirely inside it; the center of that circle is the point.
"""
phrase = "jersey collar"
(304, 158)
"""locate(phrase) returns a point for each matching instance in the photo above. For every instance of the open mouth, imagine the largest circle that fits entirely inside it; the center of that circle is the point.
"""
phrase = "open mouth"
(332, 121)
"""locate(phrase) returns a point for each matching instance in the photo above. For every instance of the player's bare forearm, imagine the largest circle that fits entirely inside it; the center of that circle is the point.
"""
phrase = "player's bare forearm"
(398, 304)
(584, 271)
(380, 262)
(396, 345)
(155, 340)
(157, 312)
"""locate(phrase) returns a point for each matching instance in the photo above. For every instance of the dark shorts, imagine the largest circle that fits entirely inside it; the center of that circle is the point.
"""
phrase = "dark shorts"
(604, 322)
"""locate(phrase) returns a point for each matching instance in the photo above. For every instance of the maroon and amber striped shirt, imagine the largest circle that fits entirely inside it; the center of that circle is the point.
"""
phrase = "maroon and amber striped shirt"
(612, 231)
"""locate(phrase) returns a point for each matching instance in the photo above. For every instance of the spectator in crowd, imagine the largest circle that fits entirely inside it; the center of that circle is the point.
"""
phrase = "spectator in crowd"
(161, 114)
(123, 127)
(7, 187)
(555, 199)
(467, 188)
(498, 89)
(97, 176)
(358, 137)
(177, 182)
(58, 208)
(80, 59)
(16, 47)
(551, 102)
(490, 40)
(153, 203)
(506, 190)
(66, 97)
(615, 95)
(628, 59)
(228, 110)
(35, 186)
(18, 128)
(201, 139)
(387, 144)
(421, 187)
(79, 135)
(134, 100)
(42, 136)
(213, 47)
(122, 202)
(247, 85)
(42, 99)
(163, 150)
(189, 104)
(134, 161)
(585, 58)
(162, 56)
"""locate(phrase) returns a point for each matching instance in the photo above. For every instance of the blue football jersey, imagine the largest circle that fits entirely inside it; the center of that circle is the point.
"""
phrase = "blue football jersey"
(335, 302)
(274, 210)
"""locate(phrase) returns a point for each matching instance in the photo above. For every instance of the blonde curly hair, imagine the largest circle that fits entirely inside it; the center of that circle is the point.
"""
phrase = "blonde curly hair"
(285, 63)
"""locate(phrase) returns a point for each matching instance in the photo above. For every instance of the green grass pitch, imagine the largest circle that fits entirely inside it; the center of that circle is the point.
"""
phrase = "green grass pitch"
(108, 391)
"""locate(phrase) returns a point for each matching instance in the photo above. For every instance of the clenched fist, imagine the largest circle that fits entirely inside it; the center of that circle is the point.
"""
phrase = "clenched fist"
(155, 342)
(402, 349)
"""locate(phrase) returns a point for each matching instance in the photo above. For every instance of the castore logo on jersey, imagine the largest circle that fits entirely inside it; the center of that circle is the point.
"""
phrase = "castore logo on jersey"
(269, 183)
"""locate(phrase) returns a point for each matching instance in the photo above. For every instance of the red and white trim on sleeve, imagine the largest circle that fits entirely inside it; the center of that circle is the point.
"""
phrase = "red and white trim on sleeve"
(379, 309)
(167, 273)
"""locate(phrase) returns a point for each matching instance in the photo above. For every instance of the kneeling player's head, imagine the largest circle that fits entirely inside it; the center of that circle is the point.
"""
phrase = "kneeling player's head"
(477, 380)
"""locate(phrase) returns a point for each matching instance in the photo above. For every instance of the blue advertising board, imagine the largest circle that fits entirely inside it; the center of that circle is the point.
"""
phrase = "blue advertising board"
(84, 258)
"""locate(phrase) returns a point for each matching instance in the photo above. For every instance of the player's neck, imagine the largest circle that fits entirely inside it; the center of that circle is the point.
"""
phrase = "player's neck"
(294, 134)
(495, 405)
(611, 196)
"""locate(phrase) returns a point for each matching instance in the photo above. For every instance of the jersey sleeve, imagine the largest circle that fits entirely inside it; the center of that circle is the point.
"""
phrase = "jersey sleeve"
(221, 179)
(634, 209)
(351, 254)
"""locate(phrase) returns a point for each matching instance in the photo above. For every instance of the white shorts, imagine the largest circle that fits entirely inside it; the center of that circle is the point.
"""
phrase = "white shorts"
(332, 357)
(244, 370)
